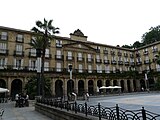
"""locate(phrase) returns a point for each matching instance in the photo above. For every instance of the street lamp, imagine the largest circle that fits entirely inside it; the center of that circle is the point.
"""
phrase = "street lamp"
(38, 54)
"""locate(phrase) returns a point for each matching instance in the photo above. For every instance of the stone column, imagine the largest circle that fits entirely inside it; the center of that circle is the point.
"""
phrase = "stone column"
(119, 84)
(9, 81)
(111, 82)
(53, 87)
(86, 85)
(131, 85)
(138, 86)
(65, 89)
(76, 86)
(95, 86)
(125, 86)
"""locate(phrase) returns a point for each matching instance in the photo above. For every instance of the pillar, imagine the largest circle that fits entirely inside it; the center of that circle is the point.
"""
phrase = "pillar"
(125, 86)
(86, 85)
(76, 86)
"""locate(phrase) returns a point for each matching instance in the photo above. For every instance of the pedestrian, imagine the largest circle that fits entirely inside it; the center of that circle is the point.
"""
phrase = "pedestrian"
(87, 96)
(17, 98)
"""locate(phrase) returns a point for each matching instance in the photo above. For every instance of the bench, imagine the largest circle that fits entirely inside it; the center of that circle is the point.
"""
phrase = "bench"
(1, 113)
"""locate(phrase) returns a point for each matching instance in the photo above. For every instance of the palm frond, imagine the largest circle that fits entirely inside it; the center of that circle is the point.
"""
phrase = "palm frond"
(39, 24)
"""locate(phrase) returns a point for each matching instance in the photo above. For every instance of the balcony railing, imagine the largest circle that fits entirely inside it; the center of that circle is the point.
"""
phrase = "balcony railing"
(131, 56)
(119, 54)
(90, 60)
(58, 45)
(19, 39)
(126, 63)
(105, 51)
(114, 62)
(80, 59)
(3, 52)
(120, 62)
(18, 53)
(132, 63)
(4, 37)
(69, 58)
(146, 61)
(106, 61)
(155, 50)
(125, 54)
(98, 61)
(32, 54)
(59, 57)
(145, 52)
(139, 63)
(112, 53)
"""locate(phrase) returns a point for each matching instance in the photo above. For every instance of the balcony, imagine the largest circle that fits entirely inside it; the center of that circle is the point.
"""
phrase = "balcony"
(112, 53)
(58, 45)
(113, 62)
(155, 50)
(18, 53)
(131, 56)
(98, 61)
(139, 63)
(145, 52)
(90, 60)
(105, 51)
(69, 58)
(138, 55)
(126, 63)
(19, 39)
(119, 54)
(97, 50)
(32, 54)
(146, 61)
(132, 63)
(48, 56)
(125, 55)
(120, 62)
(3, 37)
(4, 52)
(106, 61)
(59, 57)
(80, 59)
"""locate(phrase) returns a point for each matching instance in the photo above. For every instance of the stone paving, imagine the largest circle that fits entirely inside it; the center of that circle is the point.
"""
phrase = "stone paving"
(24, 113)
(150, 101)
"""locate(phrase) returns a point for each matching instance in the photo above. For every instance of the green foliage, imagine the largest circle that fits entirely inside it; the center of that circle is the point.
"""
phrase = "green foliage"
(31, 86)
(127, 46)
(157, 84)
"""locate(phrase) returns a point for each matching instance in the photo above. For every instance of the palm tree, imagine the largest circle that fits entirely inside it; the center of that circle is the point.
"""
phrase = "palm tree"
(44, 33)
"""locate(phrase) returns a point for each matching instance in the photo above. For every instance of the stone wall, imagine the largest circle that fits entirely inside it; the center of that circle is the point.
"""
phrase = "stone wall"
(61, 114)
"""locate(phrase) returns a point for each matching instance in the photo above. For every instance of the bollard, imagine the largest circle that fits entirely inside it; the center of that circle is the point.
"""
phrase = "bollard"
(117, 111)
(99, 111)
(144, 113)
(75, 107)
(86, 108)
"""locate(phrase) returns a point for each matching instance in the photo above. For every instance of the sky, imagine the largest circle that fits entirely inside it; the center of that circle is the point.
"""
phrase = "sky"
(111, 22)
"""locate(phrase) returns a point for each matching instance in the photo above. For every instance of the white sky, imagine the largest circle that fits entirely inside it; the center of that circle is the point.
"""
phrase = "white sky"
(112, 22)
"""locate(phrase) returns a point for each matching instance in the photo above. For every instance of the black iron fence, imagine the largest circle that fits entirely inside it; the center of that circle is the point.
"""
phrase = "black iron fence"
(109, 113)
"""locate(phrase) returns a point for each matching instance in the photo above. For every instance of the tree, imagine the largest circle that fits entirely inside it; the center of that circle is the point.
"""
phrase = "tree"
(31, 86)
(44, 32)
(137, 44)
(127, 46)
(152, 36)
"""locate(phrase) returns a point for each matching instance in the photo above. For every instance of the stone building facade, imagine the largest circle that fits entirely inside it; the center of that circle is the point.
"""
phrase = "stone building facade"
(94, 64)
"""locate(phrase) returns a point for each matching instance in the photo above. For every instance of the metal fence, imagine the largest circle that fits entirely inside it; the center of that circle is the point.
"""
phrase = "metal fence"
(109, 113)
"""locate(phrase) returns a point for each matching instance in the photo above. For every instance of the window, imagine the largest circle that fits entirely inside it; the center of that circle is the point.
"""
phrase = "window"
(89, 68)
(47, 53)
(33, 52)
(3, 47)
(89, 57)
(58, 67)
(46, 66)
(4, 36)
(69, 55)
(114, 69)
(18, 63)
(19, 38)
(3, 63)
(99, 69)
(79, 56)
(98, 58)
(80, 68)
(58, 54)
(58, 43)
(32, 64)
(18, 49)
(158, 67)
(107, 69)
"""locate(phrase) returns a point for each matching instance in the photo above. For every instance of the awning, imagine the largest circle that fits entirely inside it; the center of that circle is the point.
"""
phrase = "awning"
(3, 90)
(110, 87)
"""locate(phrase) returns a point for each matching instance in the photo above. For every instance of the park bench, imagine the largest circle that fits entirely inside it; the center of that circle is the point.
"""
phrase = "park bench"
(1, 113)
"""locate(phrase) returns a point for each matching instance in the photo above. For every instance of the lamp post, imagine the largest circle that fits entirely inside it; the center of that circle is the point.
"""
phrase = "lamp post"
(38, 54)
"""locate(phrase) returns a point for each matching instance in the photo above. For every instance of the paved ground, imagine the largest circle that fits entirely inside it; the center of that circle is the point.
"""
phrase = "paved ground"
(150, 101)
(25, 113)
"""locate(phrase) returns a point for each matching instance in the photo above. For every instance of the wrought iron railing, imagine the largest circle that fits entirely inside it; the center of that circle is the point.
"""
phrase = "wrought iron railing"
(109, 113)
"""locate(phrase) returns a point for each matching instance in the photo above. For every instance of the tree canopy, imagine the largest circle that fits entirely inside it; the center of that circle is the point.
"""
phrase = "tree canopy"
(149, 37)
